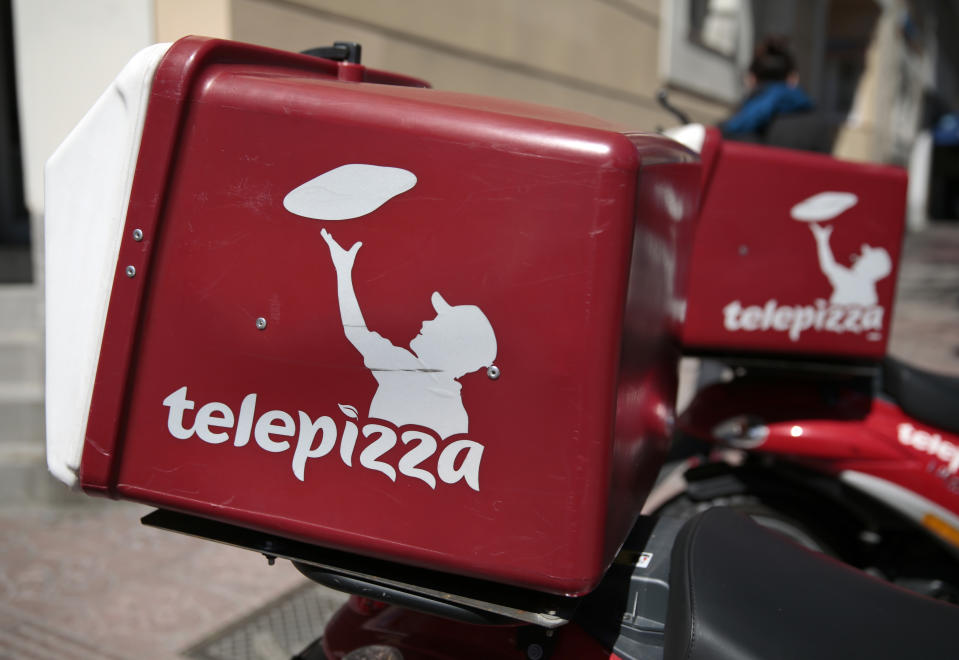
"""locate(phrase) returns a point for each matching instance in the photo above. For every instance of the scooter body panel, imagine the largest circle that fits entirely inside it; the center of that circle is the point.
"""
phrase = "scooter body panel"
(842, 431)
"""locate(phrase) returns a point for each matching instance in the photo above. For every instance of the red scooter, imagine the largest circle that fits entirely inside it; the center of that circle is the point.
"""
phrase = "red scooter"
(841, 449)
(848, 450)
(238, 242)
(861, 465)
(715, 586)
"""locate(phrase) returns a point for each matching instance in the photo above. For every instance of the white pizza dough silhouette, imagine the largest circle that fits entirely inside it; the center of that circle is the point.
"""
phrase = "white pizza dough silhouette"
(855, 284)
(418, 385)
(348, 191)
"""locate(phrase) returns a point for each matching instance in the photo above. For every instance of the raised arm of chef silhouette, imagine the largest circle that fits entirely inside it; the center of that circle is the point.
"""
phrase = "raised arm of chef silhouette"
(377, 352)
(354, 326)
(855, 284)
(827, 262)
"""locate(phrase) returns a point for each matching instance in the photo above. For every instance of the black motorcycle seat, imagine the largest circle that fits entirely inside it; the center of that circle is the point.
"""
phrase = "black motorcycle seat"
(928, 397)
(738, 590)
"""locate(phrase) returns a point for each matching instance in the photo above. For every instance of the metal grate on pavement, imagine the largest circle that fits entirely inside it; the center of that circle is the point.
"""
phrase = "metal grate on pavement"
(276, 631)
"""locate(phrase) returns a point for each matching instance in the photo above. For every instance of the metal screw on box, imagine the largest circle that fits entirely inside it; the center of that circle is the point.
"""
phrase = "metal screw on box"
(261, 323)
(493, 372)
(743, 250)
(138, 235)
(131, 271)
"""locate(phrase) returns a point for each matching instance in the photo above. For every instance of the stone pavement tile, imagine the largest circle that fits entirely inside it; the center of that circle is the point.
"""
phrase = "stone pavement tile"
(925, 324)
(30, 638)
(926, 337)
(93, 576)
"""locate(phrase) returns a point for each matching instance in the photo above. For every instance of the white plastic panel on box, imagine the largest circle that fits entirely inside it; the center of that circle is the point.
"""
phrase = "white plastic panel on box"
(87, 189)
(691, 136)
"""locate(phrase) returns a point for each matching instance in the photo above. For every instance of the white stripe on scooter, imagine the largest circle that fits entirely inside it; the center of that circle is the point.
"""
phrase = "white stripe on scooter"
(901, 499)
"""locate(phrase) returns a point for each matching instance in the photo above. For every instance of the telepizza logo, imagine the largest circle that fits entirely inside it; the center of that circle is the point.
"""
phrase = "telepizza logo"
(932, 444)
(417, 405)
(853, 306)
(277, 431)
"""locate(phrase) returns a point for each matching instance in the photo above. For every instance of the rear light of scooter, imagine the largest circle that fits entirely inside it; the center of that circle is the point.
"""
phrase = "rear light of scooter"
(365, 606)
(941, 528)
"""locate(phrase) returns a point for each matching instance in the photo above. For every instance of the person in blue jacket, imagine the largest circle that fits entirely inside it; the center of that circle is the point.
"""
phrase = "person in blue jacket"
(774, 91)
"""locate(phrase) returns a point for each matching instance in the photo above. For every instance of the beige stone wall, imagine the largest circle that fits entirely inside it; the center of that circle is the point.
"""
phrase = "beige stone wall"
(594, 56)
(856, 139)
(884, 120)
(178, 18)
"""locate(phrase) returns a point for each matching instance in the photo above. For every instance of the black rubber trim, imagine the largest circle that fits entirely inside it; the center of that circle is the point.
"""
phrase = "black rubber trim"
(395, 596)
(472, 594)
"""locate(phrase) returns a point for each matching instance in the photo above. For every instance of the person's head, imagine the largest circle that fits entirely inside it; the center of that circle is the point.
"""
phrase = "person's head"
(873, 263)
(772, 62)
(458, 341)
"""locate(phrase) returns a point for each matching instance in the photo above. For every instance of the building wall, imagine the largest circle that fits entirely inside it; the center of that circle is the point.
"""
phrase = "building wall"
(178, 18)
(595, 56)
(602, 57)
(66, 54)
(885, 117)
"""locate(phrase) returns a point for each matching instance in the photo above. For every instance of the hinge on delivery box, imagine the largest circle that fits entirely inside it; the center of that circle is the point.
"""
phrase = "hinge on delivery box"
(340, 51)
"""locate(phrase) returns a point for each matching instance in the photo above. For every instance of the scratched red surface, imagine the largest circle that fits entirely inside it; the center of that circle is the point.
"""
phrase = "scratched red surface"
(537, 217)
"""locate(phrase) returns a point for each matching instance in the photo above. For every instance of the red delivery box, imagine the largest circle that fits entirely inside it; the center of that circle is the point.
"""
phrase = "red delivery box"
(795, 253)
(319, 301)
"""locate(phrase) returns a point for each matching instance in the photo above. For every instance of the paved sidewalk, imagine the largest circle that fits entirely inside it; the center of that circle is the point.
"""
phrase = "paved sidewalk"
(925, 326)
(87, 581)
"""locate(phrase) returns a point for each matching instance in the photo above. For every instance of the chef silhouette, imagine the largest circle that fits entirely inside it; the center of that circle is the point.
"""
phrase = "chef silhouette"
(856, 284)
(417, 385)
(851, 285)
